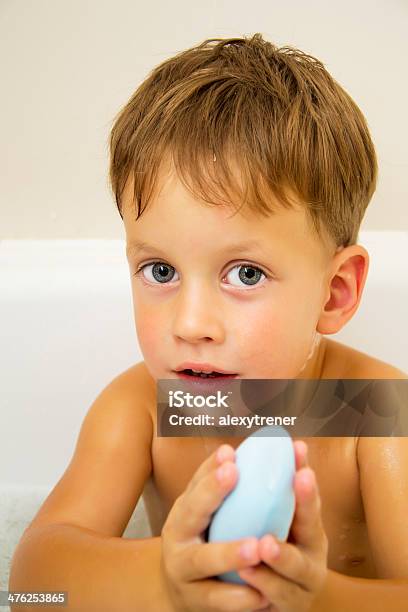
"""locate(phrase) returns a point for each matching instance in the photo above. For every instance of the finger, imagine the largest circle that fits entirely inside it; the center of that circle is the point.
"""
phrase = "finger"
(301, 457)
(217, 595)
(276, 589)
(282, 594)
(288, 561)
(212, 559)
(191, 513)
(224, 452)
(307, 527)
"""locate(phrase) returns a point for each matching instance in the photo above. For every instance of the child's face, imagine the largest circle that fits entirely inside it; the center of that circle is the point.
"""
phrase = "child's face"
(251, 310)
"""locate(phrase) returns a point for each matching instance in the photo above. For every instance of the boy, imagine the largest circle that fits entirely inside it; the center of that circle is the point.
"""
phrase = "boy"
(252, 292)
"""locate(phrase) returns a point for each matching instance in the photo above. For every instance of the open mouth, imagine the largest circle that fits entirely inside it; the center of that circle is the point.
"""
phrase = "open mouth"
(191, 374)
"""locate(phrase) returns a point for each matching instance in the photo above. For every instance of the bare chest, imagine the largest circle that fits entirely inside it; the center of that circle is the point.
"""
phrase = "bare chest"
(334, 461)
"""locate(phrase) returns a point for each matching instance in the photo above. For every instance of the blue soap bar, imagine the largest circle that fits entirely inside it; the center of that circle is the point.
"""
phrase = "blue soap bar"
(263, 500)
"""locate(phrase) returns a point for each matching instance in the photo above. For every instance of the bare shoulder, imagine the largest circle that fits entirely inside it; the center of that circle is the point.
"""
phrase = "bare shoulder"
(135, 385)
(111, 461)
(343, 361)
(382, 463)
(124, 407)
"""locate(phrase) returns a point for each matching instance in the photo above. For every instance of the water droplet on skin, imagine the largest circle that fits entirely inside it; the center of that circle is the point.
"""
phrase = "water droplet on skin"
(353, 560)
(357, 560)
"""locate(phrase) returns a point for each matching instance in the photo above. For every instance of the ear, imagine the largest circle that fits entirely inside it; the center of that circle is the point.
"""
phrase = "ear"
(346, 280)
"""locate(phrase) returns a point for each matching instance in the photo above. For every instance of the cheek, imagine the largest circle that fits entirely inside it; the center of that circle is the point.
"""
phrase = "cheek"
(275, 337)
(148, 328)
(257, 335)
(279, 319)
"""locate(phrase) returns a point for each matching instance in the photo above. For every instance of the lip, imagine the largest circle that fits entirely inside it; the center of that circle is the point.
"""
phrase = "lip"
(206, 384)
(208, 367)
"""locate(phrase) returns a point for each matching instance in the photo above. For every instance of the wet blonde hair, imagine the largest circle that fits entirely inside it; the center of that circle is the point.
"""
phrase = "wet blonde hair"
(275, 114)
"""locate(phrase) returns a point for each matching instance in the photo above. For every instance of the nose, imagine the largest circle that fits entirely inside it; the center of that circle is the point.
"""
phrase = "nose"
(198, 315)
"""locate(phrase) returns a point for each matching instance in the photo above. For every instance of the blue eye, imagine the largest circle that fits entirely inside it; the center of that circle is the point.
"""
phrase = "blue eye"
(248, 274)
(163, 273)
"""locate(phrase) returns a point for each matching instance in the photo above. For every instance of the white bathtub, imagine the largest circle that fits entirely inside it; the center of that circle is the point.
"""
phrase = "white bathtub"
(67, 329)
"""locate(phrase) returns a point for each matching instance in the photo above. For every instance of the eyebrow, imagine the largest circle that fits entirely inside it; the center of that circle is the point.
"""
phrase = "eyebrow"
(138, 246)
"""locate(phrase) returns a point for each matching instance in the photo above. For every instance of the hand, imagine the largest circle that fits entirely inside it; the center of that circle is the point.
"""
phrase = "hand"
(188, 562)
(292, 578)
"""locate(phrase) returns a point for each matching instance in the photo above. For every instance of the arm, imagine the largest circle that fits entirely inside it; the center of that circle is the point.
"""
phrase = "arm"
(74, 542)
(99, 572)
(383, 467)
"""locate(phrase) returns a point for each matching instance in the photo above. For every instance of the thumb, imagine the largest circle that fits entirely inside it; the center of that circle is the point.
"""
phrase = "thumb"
(307, 527)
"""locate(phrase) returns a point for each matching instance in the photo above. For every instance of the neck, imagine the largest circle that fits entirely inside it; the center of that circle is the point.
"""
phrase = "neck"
(315, 365)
